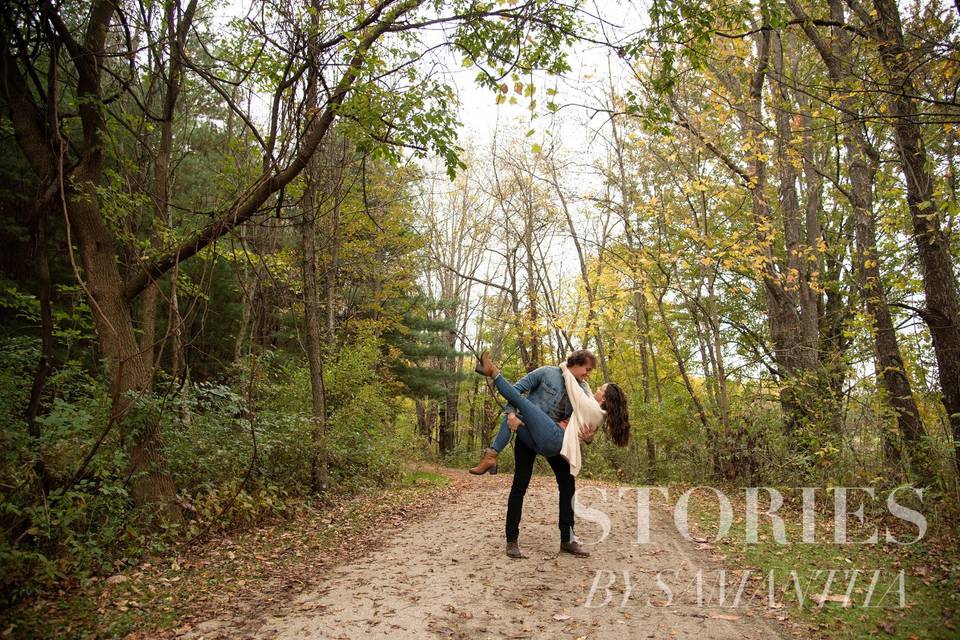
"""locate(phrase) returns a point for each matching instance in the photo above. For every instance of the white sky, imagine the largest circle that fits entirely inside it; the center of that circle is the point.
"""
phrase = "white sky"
(573, 129)
(583, 86)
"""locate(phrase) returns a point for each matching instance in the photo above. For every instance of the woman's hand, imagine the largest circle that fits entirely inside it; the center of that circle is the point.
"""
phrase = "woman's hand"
(514, 422)
(587, 432)
(562, 424)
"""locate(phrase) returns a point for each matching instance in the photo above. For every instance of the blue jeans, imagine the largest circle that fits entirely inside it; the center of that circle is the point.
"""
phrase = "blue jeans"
(538, 432)
(502, 439)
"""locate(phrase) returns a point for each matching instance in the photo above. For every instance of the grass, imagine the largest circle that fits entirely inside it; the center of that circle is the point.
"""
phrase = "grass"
(931, 570)
(422, 478)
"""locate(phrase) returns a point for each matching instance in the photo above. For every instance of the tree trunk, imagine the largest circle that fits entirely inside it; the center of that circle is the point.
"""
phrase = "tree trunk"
(451, 386)
(314, 334)
(176, 40)
(311, 294)
(781, 311)
(682, 368)
(890, 367)
(178, 356)
(942, 313)
(713, 316)
(246, 304)
(148, 326)
(798, 318)
(526, 357)
(424, 418)
(151, 484)
(448, 419)
(45, 362)
(332, 271)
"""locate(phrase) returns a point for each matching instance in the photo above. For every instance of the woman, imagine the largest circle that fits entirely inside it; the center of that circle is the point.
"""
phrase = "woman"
(608, 406)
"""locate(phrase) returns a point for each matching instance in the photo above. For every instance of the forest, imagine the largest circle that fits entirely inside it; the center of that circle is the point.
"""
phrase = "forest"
(250, 251)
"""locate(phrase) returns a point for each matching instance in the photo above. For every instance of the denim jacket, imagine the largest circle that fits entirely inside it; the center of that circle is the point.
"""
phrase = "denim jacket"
(544, 387)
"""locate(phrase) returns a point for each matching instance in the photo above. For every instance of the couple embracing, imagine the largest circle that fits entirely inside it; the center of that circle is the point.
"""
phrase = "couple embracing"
(558, 413)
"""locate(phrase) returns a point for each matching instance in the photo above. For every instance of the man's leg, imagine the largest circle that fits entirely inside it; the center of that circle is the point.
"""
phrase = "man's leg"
(524, 457)
(567, 486)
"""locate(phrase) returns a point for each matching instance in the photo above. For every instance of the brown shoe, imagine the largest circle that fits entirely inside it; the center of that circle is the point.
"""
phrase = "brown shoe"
(513, 549)
(485, 366)
(573, 547)
(487, 463)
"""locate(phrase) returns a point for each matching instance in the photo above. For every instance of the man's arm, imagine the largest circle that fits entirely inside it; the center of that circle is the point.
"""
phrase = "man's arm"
(513, 421)
(526, 384)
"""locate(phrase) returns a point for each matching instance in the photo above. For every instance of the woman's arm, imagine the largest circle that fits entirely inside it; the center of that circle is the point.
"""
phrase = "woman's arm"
(588, 412)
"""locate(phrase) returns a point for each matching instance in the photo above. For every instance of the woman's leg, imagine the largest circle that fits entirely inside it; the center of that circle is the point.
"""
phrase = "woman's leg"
(544, 432)
(523, 435)
(502, 439)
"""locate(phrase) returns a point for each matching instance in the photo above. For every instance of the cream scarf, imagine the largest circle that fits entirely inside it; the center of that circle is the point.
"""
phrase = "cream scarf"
(586, 417)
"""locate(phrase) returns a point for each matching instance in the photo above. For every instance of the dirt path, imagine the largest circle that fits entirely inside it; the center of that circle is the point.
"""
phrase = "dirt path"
(447, 576)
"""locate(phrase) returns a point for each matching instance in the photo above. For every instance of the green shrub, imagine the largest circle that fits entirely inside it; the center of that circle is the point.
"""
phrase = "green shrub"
(240, 451)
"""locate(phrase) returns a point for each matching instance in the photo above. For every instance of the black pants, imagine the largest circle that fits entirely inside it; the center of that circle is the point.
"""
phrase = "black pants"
(566, 484)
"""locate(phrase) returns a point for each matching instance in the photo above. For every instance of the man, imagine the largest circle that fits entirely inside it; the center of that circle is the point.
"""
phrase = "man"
(544, 387)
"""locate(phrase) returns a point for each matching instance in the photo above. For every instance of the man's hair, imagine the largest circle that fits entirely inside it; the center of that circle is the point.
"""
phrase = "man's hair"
(581, 357)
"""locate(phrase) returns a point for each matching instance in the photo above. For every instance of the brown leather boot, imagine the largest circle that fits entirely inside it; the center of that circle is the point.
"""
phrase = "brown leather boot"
(487, 463)
(573, 547)
(485, 366)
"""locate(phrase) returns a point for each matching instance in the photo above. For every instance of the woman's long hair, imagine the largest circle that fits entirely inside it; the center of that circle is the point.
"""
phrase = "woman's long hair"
(617, 423)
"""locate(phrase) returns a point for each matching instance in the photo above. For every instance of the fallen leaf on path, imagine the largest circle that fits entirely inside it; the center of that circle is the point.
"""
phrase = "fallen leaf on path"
(822, 600)
(560, 617)
(723, 616)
